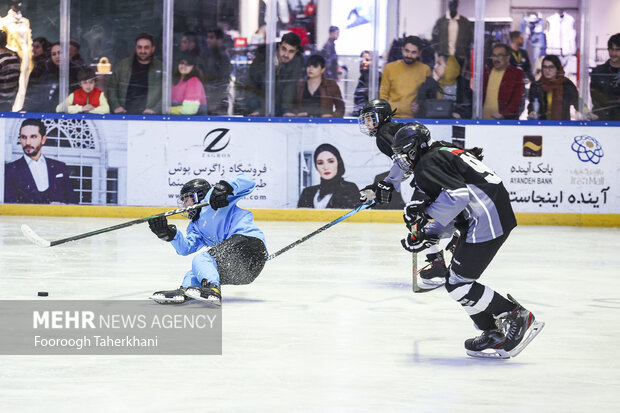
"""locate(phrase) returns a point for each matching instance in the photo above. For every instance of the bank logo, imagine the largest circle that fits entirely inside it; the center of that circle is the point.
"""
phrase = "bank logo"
(587, 149)
(216, 140)
(532, 145)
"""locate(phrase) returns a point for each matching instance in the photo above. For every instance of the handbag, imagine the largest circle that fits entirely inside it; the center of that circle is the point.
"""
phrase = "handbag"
(104, 66)
(439, 108)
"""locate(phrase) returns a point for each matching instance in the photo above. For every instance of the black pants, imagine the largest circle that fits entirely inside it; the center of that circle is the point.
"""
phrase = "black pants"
(239, 259)
(470, 260)
(479, 301)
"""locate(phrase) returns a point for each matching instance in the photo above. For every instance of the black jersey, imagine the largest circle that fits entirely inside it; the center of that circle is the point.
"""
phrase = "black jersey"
(459, 183)
(385, 136)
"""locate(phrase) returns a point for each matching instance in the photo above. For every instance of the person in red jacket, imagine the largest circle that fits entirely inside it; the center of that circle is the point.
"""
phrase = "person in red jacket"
(502, 87)
(86, 99)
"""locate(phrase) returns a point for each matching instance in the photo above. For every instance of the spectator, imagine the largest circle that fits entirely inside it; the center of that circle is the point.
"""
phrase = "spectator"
(445, 85)
(519, 58)
(502, 86)
(318, 96)
(190, 43)
(329, 54)
(217, 72)
(86, 99)
(605, 84)
(34, 178)
(402, 78)
(41, 51)
(43, 94)
(135, 84)
(289, 64)
(555, 93)
(360, 96)
(333, 191)
(518, 55)
(10, 67)
(188, 94)
(74, 54)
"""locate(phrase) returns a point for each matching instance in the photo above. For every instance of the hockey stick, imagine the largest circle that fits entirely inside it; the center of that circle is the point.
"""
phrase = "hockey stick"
(36, 239)
(414, 261)
(429, 285)
(323, 228)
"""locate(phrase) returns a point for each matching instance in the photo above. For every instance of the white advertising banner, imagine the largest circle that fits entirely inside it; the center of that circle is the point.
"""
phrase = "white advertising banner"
(279, 157)
(552, 168)
(165, 155)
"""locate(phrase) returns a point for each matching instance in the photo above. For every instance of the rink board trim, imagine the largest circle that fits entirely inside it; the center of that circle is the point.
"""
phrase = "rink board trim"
(281, 119)
(588, 220)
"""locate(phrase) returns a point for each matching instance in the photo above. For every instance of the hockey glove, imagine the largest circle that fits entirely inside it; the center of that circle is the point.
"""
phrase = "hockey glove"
(384, 192)
(219, 196)
(413, 213)
(160, 227)
(418, 241)
(452, 244)
(368, 194)
(380, 191)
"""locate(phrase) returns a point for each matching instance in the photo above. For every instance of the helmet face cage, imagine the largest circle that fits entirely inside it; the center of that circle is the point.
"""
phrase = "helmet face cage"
(404, 157)
(195, 190)
(181, 201)
(368, 123)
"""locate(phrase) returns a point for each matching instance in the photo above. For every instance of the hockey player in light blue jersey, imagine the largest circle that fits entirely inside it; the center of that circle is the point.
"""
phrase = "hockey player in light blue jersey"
(237, 254)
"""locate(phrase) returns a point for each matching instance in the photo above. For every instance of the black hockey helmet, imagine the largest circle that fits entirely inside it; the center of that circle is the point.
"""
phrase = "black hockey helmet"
(196, 189)
(410, 143)
(374, 114)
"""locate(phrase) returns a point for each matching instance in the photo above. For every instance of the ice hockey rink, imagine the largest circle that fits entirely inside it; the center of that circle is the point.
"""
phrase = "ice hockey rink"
(330, 326)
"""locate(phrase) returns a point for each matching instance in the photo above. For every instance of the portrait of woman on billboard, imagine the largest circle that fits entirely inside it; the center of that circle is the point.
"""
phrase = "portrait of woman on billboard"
(333, 191)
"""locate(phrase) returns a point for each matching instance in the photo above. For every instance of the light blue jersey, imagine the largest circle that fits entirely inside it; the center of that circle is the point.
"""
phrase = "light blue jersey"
(215, 226)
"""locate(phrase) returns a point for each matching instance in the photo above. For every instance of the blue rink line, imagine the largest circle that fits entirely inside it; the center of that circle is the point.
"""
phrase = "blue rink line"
(258, 119)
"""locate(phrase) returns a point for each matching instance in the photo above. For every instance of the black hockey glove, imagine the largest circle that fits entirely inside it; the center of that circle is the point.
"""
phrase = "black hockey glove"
(160, 227)
(384, 192)
(452, 244)
(219, 196)
(418, 241)
(380, 191)
(368, 193)
(413, 213)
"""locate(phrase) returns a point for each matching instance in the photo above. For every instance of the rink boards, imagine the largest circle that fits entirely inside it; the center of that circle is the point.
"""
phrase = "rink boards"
(562, 174)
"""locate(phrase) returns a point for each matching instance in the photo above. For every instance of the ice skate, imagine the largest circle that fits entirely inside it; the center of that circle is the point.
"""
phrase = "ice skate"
(207, 292)
(433, 276)
(487, 345)
(170, 297)
(520, 327)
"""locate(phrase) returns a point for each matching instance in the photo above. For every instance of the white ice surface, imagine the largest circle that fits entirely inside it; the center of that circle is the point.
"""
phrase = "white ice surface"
(329, 326)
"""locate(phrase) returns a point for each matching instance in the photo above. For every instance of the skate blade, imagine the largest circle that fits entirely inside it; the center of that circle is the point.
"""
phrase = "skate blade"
(532, 332)
(160, 299)
(196, 296)
(490, 354)
(424, 286)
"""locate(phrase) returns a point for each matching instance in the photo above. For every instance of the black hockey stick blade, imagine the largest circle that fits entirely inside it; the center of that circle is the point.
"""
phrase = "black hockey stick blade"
(38, 240)
(323, 228)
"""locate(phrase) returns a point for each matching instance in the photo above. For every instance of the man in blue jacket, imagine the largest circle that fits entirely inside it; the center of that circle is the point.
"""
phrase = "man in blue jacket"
(34, 178)
(237, 254)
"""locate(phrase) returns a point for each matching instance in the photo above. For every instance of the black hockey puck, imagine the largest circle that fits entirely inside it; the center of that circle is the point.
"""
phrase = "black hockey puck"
(42, 294)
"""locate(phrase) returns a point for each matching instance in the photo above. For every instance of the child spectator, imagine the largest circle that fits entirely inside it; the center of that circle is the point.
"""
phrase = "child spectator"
(188, 93)
(87, 98)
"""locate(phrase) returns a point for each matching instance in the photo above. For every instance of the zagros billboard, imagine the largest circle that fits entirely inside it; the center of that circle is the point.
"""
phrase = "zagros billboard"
(216, 140)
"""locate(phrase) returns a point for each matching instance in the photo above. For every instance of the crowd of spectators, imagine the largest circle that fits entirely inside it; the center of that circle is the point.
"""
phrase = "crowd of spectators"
(420, 79)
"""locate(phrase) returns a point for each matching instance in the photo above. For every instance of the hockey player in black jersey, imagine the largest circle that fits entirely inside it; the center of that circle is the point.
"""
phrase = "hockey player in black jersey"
(465, 193)
(375, 120)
